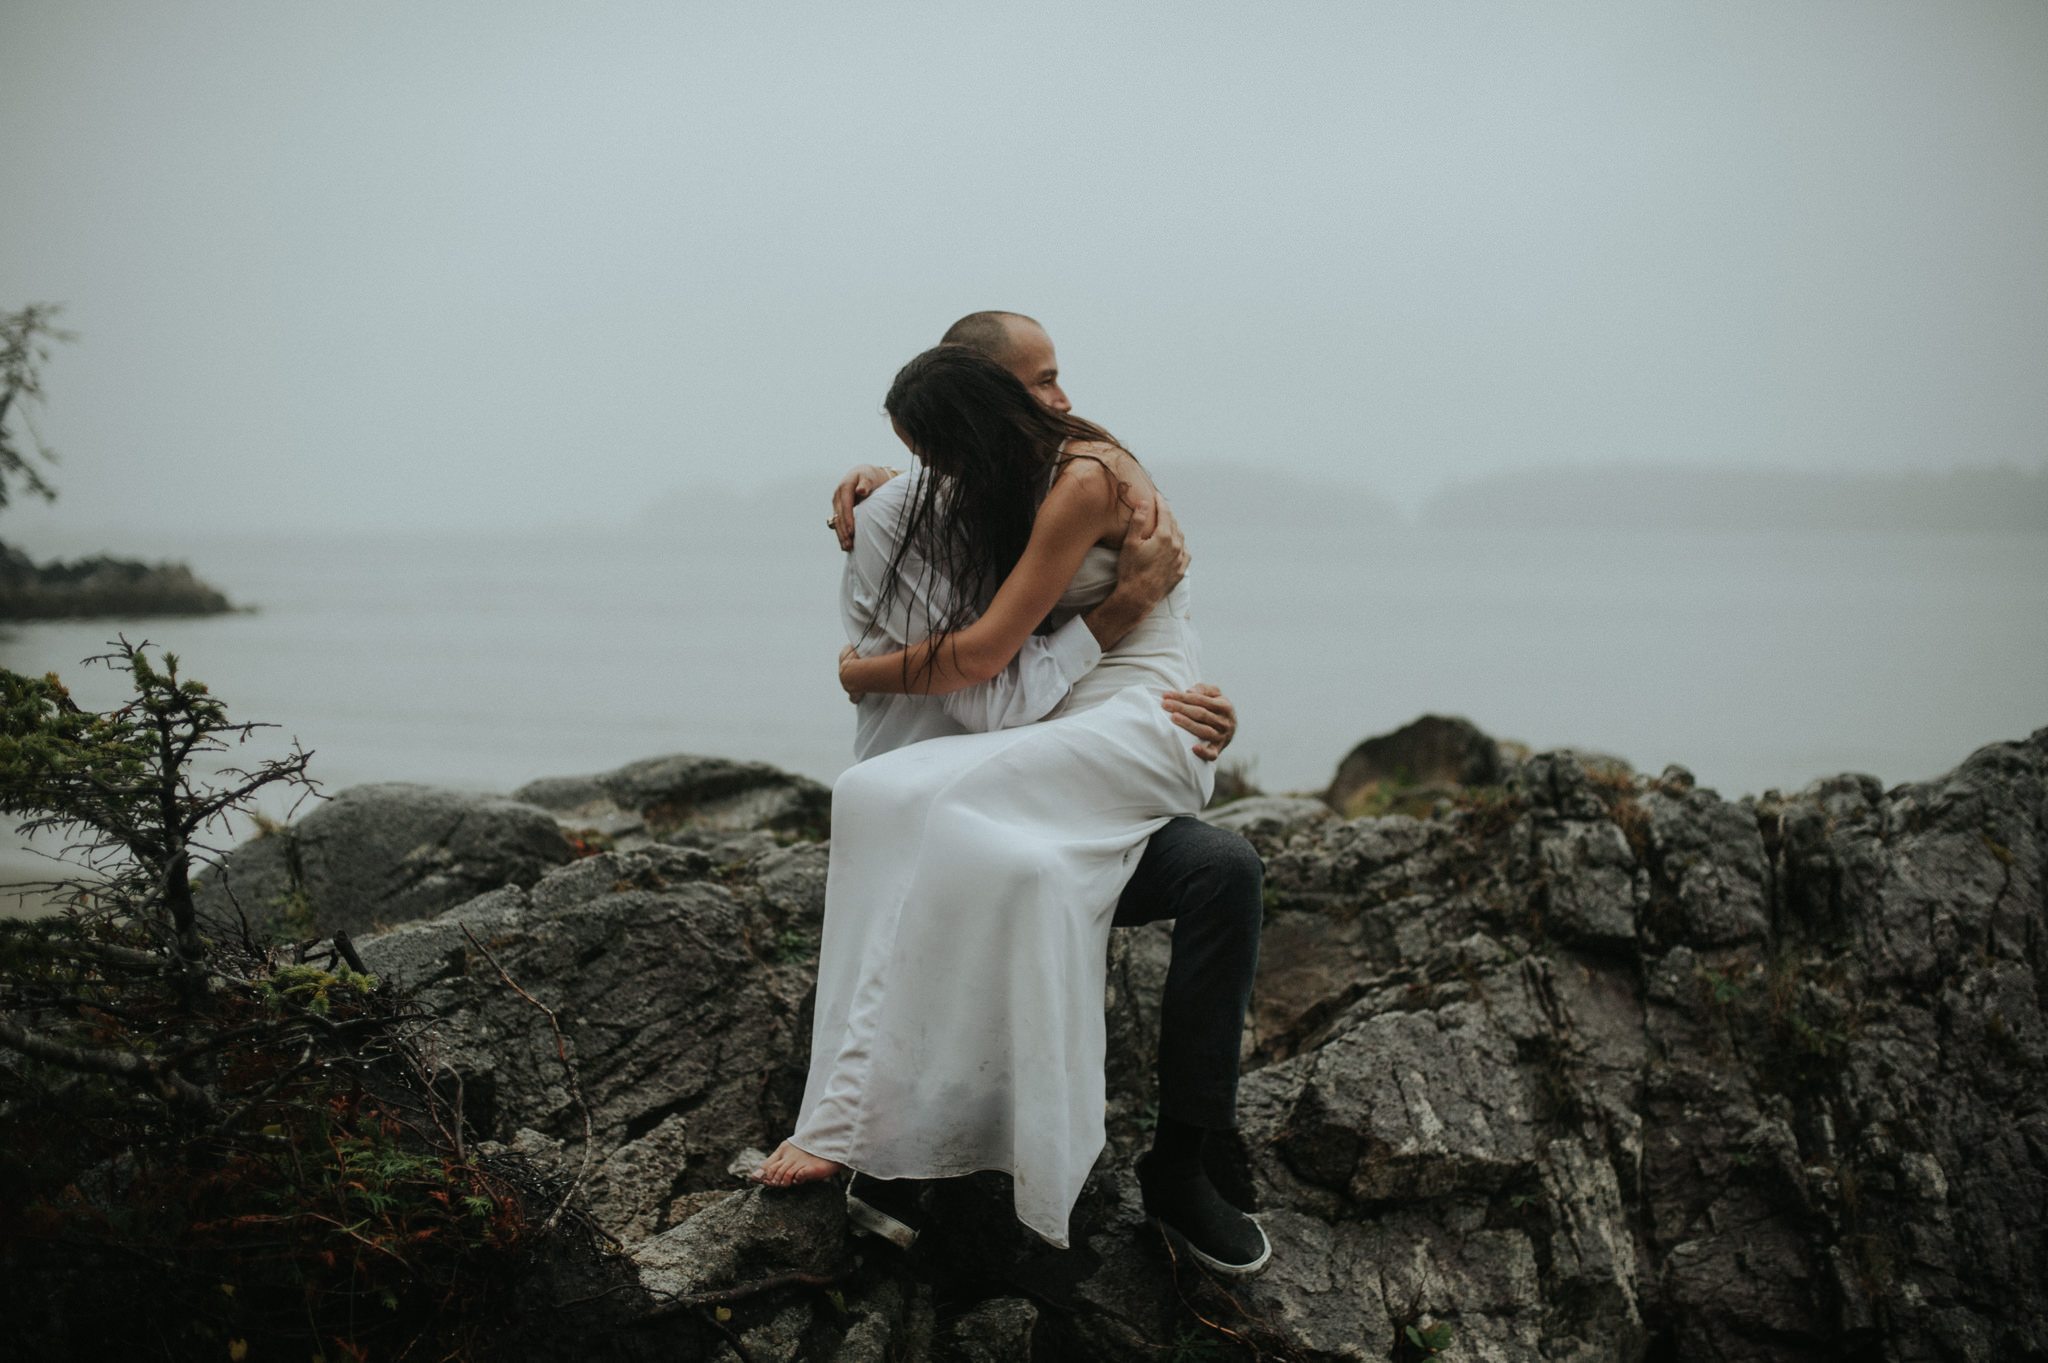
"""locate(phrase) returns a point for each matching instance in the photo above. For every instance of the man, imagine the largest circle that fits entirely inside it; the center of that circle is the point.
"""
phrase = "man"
(1205, 879)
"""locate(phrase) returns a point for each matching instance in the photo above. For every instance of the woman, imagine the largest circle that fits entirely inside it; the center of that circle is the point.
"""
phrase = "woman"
(959, 1020)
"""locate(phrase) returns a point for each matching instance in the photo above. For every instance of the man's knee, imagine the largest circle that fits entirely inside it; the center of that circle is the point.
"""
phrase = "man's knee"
(1191, 867)
(1239, 871)
(1224, 881)
(1227, 866)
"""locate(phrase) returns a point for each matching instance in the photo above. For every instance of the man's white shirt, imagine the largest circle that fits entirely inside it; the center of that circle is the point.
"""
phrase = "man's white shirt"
(1036, 680)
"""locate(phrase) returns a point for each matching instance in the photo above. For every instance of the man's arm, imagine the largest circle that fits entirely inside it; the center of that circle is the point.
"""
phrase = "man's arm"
(855, 488)
(1206, 713)
(1153, 561)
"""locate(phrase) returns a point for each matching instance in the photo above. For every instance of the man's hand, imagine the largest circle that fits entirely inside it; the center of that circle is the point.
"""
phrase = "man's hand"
(847, 655)
(1153, 561)
(854, 489)
(1206, 713)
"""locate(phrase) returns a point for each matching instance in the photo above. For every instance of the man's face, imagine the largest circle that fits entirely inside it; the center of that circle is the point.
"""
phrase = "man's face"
(1032, 361)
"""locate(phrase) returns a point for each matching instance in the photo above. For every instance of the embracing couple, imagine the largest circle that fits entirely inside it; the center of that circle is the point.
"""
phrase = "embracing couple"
(1033, 738)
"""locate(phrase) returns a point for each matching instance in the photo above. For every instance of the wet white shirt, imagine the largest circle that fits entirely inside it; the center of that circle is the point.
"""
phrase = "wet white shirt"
(1035, 681)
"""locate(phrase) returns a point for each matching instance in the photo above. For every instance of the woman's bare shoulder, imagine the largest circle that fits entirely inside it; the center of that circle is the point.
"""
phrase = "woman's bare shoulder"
(1089, 470)
(1090, 450)
(1099, 482)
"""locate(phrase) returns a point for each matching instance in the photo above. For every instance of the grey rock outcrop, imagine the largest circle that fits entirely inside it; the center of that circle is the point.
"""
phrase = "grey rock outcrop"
(1434, 753)
(682, 995)
(1268, 821)
(1585, 1065)
(378, 855)
(747, 1234)
(687, 798)
(1714, 1074)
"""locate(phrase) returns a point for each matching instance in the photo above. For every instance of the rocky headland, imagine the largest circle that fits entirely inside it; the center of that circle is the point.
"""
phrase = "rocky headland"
(100, 586)
(1586, 1064)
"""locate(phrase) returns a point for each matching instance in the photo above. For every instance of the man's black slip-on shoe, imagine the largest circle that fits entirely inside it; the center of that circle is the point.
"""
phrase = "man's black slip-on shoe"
(886, 1207)
(1181, 1198)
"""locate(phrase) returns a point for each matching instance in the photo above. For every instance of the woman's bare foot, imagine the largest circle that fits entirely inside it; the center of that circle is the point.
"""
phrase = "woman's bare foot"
(789, 1166)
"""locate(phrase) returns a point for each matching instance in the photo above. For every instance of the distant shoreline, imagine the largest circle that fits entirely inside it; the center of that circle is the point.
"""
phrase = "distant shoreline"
(1639, 497)
(101, 586)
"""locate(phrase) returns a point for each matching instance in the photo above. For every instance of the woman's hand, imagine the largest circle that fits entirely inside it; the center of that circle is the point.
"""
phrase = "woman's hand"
(847, 655)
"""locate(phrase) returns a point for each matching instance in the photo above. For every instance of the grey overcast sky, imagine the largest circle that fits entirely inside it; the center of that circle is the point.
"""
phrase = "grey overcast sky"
(466, 265)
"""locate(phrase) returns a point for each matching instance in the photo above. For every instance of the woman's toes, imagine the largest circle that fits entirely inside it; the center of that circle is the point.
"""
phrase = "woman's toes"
(776, 1171)
(789, 1166)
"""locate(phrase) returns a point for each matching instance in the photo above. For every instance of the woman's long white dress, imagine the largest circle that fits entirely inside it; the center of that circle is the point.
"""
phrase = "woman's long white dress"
(959, 1019)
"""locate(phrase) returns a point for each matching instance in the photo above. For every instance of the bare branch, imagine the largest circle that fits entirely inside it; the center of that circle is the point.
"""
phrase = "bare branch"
(122, 1064)
(575, 1082)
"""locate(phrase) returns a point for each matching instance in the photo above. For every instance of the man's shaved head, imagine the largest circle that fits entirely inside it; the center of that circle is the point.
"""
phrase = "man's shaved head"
(988, 332)
(1017, 343)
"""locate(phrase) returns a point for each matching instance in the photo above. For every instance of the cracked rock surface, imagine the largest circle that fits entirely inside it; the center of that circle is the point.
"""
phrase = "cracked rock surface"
(378, 855)
(1585, 1064)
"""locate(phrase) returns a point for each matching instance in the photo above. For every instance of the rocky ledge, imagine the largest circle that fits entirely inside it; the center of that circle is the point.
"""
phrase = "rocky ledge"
(1583, 1064)
(100, 586)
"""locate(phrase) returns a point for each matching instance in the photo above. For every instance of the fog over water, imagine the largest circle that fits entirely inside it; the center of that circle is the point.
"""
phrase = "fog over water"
(389, 265)
(503, 354)
(1757, 659)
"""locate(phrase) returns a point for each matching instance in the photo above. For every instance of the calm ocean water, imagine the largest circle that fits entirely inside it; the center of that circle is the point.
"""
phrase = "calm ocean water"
(1757, 660)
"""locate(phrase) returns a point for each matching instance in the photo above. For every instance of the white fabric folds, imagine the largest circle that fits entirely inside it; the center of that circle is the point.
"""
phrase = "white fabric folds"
(959, 1018)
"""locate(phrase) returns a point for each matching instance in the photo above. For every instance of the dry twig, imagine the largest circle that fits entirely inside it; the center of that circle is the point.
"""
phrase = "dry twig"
(575, 1083)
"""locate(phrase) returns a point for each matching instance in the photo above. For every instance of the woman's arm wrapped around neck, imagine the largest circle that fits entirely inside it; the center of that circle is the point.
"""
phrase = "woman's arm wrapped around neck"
(1085, 506)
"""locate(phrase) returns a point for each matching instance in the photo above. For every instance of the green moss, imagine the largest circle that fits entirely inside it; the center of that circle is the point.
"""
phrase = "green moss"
(291, 917)
(792, 946)
(312, 988)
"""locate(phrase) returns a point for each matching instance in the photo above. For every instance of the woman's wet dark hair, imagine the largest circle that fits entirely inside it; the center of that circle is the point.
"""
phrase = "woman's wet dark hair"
(992, 452)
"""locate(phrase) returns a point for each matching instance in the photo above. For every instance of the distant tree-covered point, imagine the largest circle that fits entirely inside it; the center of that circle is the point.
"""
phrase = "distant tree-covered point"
(1642, 498)
(100, 586)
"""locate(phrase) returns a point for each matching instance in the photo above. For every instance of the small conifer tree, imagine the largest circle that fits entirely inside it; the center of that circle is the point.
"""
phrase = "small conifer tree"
(121, 791)
(239, 1142)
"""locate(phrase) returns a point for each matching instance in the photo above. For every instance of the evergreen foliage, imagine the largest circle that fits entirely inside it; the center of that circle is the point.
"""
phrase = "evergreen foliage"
(240, 1144)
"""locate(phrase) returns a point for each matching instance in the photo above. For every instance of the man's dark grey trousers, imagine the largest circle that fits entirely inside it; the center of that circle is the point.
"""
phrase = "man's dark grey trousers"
(1208, 881)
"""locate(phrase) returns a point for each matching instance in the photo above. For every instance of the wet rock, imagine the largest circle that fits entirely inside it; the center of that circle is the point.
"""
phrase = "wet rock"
(379, 855)
(1593, 1067)
(749, 1235)
(998, 1330)
(684, 1014)
(1308, 965)
(1592, 1254)
(633, 1194)
(1708, 860)
(1268, 820)
(1593, 886)
(1436, 750)
(1401, 1105)
(878, 1320)
(664, 794)
(1138, 959)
